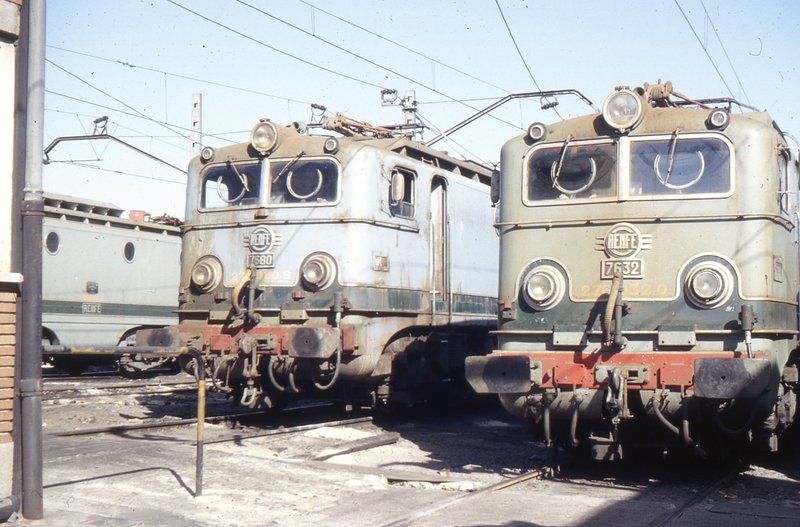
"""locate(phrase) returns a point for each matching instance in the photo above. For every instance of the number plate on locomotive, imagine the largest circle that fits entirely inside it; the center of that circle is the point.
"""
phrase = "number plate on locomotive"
(631, 268)
(259, 261)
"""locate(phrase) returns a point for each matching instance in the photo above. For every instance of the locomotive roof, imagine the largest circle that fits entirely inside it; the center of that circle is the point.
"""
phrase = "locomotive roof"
(656, 120)
(61, 201)
(420, 152)
(98, 213)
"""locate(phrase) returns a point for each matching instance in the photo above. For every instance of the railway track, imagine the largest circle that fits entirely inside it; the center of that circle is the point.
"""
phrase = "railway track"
(328, 467)
(71, 393)
(476, 499)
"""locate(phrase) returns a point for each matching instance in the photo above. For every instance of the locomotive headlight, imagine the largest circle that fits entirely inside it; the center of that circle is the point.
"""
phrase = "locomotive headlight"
(623, 109)
(543, 287)
(537, 131)
(718, 119)
(207, 154)
(331, 145)
(318, 271)
(207, 273)
(709, 285)
(264, 136)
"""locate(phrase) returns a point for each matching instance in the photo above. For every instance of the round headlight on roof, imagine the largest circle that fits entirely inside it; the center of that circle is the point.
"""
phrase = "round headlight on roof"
(331, 145)
(623, 109)
(264, 136)
(207, 153)
(718, 119)
(537, 131)
(709, 285)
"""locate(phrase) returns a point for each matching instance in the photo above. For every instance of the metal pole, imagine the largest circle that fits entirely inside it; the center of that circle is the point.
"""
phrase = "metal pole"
(20, 120)
(200, 375)
(32, 213)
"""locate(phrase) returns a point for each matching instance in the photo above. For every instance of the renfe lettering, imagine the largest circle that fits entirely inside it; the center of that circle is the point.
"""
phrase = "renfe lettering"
(622, 240)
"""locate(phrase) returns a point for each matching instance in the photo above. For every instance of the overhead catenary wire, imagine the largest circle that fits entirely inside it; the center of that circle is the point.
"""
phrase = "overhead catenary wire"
(139, 116)
(82, 164)
(362, 81)
(403, 46)
(705, 50)
(462, 149)
(179, 75)
(118, 125)
(262, 43)
(140, 113)
(725, 51)
(368, 61)
(519, 52)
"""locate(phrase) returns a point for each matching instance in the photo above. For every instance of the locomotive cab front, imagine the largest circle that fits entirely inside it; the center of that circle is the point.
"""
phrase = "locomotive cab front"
(649, 272)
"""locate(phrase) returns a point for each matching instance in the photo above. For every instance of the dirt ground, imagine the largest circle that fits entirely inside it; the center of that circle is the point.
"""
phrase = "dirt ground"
(427, 477)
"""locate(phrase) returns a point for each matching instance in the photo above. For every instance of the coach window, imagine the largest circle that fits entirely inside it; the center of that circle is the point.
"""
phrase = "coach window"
(52, 242)
(678, 166)
(231, 185)
(568, 171)
(129, 251)
(401, 193)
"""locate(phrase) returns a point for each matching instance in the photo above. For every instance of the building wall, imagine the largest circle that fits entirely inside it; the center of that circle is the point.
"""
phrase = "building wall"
(9, 281)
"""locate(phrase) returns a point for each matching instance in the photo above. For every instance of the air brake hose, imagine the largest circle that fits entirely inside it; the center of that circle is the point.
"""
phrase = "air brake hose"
(608, 316)
(324, 387)
(685, 432)
(271, 375)
(669, 426)
(338, 308)
(573, 424)
(548, 441)
(238, 291)
(736, 431)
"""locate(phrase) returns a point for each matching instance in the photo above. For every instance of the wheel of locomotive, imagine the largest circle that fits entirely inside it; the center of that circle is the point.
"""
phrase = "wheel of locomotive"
(126, 370)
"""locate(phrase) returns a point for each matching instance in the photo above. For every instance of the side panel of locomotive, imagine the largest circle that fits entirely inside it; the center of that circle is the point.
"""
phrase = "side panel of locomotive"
(632, 264)
(322, 260)
(104, 277)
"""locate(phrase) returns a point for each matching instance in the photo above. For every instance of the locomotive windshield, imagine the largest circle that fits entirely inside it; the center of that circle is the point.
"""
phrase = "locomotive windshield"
(292, 182)
(664, 167)
(231, 185)
(679, 166)
(303, 181)
(572, 171)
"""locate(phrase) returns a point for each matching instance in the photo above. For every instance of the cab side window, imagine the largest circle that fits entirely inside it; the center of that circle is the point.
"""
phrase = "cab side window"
(401, 193)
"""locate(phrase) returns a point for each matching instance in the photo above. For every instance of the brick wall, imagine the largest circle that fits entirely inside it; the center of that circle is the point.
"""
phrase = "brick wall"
(8, 307)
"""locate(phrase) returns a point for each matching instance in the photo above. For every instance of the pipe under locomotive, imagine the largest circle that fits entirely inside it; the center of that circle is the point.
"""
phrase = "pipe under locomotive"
(312, 264)
(648, 277)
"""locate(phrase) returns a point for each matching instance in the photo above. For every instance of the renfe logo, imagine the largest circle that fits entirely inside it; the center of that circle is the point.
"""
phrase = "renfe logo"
(624, 240)
(260, 240)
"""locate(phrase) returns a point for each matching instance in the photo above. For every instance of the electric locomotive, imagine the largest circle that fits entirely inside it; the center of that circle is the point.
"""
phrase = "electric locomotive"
(360, 266)
(648, 277)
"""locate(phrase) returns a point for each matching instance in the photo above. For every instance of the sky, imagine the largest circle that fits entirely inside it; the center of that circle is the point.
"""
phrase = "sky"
(139, 62)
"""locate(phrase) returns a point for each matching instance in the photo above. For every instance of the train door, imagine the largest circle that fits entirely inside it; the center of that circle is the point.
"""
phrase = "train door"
(440, 265)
